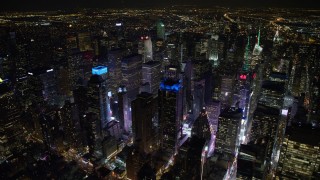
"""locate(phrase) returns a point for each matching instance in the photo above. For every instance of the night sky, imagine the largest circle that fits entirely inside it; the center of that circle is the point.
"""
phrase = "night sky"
(17, 5)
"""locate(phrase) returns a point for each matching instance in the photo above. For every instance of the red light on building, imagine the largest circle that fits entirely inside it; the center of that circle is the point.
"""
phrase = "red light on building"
(243, 77)
(144, 37)
(254, 75)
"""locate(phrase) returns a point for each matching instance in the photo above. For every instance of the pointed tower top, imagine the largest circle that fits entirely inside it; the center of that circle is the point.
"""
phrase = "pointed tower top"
(258, 37)
(246, 63)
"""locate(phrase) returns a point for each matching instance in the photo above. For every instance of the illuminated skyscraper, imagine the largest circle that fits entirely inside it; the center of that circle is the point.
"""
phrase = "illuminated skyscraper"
(114, 65)
(228, 130)
(264, 125)
(256, 54)
(198, 97)
(160, 30)
(71, 124)
(300, 154)
(74, 71)
(98, 100)
(213, 51)
(246, 64)
(170, 110)
(144, 122)
(151, 75)
(131, 72)
(226, 90)
(124, 109)
(148, 53)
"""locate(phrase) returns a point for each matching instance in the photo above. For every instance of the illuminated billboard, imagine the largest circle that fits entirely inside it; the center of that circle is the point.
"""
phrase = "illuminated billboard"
(99, 70)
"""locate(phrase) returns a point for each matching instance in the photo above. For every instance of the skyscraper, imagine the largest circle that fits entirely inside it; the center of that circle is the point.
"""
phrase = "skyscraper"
(170, 110)
(131, 71)
(114, 65)
(300, 154)
(148, 53)
(98, 100)
(94, 134)
(144, 121)
(160, 30)
(151, 75)
(124, 109)
(228, 130)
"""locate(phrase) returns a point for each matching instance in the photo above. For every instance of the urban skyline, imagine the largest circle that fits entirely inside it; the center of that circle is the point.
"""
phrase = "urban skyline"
(18, 5)
(124, 91)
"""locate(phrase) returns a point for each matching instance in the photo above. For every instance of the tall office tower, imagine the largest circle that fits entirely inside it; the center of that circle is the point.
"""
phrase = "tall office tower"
(147, 48)
(131, 72)
(300, 154)
(11, 129)
(50, 89)
(124, 110)
(144, 121)
(201, 126)
(226, 90)
(74, 71)
(98, 100)
(43, 85)
(160, 30)
(228, 130)
(94, 134)
(213, 51)
(272, 94)
(256, 54)
(170, 110)
(80, 99)
(71, 124)
(247, 57)
(114, 66)
(64, 87)
(198, 97)
(264, 125)
(151, 75)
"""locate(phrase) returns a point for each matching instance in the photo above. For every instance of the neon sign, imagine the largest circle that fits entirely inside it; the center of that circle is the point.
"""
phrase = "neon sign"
(99, 70)
(243, 77)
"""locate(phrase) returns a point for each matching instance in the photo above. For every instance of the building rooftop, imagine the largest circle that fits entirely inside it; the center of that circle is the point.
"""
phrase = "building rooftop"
(235, 113)
(274, 86)
(262, 109)
(304, 134)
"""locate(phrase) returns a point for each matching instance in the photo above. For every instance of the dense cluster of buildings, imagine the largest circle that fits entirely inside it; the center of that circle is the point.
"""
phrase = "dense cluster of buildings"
(97, 94)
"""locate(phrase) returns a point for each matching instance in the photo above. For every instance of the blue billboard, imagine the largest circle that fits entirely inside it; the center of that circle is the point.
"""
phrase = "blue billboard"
(99, 70)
